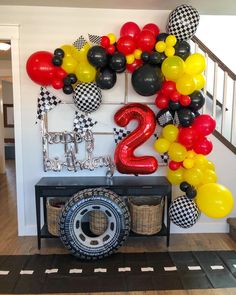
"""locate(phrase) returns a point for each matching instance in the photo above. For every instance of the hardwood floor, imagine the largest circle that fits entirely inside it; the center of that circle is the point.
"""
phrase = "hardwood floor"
(11, 244)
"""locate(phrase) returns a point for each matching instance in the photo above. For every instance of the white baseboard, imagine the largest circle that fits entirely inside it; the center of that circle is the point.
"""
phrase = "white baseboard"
(199, 227)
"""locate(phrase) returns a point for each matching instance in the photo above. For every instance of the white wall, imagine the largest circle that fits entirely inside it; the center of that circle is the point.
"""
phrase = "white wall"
(46, 29)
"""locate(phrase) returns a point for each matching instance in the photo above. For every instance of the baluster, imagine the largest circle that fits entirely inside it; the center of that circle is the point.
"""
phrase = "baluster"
(215, 90)
(223, 110)
(233, 123)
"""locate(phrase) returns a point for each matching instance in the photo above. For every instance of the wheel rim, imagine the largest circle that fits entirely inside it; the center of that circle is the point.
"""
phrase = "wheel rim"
(96, 241)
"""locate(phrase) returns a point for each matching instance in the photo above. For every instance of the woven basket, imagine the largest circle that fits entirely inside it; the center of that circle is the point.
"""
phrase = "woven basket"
(97, 222)
(146, 214)
(54, 207)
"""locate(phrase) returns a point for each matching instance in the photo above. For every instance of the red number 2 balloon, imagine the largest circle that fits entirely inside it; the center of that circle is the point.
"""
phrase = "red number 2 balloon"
(125, 160)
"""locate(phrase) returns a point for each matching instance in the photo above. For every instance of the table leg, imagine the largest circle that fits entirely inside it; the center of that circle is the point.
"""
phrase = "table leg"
(38, 216)
(169, 197)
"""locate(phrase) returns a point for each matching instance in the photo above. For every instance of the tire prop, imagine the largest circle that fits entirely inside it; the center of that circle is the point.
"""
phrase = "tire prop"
(78, 240)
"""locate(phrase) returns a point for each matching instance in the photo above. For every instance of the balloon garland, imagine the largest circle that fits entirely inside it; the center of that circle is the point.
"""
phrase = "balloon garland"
(160, 64)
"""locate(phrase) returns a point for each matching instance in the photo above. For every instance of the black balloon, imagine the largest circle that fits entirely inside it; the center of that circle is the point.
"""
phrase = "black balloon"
(145, 56)
(57, 61)
(156, 58)
(185, 116)
(191, 192)
(147, 80)
(184, 186)
(97, 56)
(117, 62)
(165, 117)
(67, 89)
(162, 37)
(121, 70)
(182, 49)
(197, 101)
(73, 78)
(67, 81)
(59, 52)
(174, 105)
(106, 78)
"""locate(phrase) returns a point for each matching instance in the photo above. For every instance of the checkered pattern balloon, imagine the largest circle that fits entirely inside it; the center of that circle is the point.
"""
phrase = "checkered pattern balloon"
(87, 97)
(184, 212)
(183, 22)
(120, 134)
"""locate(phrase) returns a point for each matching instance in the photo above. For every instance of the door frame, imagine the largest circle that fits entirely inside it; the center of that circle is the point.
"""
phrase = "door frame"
(11, 32)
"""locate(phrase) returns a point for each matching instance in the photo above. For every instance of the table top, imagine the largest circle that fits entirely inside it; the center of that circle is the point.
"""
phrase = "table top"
(131, 181)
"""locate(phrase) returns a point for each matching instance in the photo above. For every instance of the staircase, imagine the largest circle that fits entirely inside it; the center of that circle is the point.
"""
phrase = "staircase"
(220, 93)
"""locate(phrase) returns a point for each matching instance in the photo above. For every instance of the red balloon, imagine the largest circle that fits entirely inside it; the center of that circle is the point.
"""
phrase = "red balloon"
(126, 45)
(174, 165)
(40, 68)
(187, 137)
(146, 41)
(162, 101)
(57, 83)
(129, 29)
(136, 64)
(152, 28)
(185, 100)
(125, 160)
(204, 124)
(60, 73)
(175, 96)
(168, 87)
(105, 41)
(111, 49)
(203, 146)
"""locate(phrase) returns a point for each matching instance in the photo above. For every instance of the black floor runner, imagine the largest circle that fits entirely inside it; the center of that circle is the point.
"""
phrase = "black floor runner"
(34, 274)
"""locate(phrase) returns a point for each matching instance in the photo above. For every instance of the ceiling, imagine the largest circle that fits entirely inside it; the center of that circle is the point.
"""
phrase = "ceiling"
(226, 7)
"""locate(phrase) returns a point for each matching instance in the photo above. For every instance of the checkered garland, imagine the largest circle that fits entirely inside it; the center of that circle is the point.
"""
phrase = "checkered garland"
(94, 39)
(46, 102)
(80, 43)
(119, 134)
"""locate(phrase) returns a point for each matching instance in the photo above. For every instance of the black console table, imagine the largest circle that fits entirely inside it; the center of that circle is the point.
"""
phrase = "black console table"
(123, 186)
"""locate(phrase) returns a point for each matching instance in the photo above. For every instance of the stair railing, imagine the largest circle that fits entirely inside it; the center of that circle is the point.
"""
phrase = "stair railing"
(220, 89)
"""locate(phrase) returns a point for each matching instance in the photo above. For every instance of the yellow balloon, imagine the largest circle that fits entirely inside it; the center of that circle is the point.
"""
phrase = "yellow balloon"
(175, 176)
(130, 59)
(200, 81)
(200, 161)
(188, 163)
(112, 38)
(210, 165)
(190, 154)
(173, 68)
(161, 145)
(85, 72)
(81, 55)
(137, 53)
(193, 176)
(185, 84)
(170, 132)
(171, 40)
(177, 152)
(160, 46)
(68, 49)
(214, 200)
(209, 176)
(169, 51)
(69, 64)
(195, 64)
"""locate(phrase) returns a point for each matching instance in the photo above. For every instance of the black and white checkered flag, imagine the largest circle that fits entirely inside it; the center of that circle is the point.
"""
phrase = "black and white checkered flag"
(80, 42)
(95, 39)
(176, 119)
(83, 123)
(165, 157)
(119, 134)
(46, 102)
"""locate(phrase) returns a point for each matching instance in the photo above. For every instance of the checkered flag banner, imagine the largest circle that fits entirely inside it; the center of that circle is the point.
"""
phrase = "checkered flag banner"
(83, 123)
(164, 117)
(94, 39)
(46, 102)
(80, 42)
(176, 119)
(119, 134)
